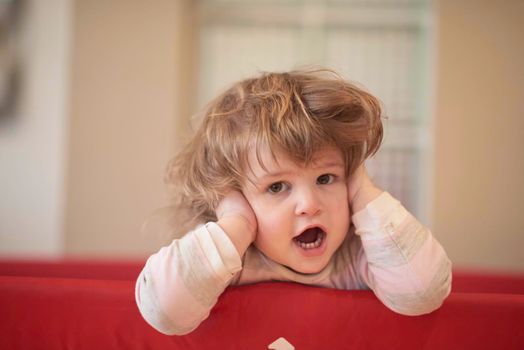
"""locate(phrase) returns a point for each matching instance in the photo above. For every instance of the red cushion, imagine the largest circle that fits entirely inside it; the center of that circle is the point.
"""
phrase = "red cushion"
(73, 268)
(473, 281)
(53, 313)
(464, 281)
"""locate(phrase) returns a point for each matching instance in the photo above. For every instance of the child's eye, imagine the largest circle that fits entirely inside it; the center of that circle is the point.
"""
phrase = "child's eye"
(277, 187)
(325, 179)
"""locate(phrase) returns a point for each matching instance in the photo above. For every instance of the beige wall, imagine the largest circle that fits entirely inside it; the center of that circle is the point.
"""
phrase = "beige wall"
(33, 140)
(125, 93)
(479, 170)
(130, 77)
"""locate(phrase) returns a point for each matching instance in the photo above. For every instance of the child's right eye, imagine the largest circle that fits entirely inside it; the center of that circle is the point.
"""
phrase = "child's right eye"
(277, 187)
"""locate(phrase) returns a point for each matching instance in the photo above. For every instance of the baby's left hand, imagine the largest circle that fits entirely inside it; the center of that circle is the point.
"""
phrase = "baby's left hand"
(361, 190)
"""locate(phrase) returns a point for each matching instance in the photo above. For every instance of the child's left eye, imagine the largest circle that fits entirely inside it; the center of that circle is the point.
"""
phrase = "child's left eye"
(325, 179)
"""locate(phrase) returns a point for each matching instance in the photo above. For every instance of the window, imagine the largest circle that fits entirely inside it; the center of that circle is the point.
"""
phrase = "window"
(384, 45)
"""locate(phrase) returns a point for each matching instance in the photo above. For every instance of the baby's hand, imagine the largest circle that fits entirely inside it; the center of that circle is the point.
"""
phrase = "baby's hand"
(236, 217)
(361, 190)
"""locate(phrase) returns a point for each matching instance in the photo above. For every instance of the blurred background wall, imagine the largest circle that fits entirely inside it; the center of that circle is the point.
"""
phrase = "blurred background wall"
(125, 98)
(34, 131)
(110, 87)
(479, 128)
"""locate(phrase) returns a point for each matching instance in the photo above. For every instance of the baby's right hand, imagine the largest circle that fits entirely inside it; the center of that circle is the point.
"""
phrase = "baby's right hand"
(236, 217)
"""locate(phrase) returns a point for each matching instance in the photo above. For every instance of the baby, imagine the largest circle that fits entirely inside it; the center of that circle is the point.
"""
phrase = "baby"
(273, 187)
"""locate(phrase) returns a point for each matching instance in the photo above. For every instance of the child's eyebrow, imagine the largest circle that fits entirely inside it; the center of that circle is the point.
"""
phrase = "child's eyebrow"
(269, 174)
(327, 164)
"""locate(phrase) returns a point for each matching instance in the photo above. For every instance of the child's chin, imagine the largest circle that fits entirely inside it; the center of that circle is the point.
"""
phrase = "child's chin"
(309, 270)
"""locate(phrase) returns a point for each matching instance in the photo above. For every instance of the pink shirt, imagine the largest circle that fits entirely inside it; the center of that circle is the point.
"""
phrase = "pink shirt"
(388, 251)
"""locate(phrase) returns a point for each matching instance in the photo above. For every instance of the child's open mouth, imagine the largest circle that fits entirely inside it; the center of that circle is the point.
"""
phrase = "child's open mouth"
(311, 238)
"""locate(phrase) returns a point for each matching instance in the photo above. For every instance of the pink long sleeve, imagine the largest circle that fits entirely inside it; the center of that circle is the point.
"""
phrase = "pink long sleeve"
(401, 261)
(181, 283)
(392, 253)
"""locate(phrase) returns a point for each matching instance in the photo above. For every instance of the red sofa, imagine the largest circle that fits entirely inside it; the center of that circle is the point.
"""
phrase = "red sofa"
(90, 305)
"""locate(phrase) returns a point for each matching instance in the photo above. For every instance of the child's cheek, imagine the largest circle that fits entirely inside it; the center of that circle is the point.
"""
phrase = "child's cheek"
(266, 220)
(261, 212)
(344, 210)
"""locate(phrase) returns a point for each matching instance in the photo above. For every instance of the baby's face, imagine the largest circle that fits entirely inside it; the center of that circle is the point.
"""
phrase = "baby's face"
(302, 212)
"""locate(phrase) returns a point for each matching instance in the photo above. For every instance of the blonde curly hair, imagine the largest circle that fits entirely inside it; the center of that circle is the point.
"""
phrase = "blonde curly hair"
(296, 112)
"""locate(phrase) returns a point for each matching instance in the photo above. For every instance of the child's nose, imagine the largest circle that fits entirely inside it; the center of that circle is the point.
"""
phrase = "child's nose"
(307, 203)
